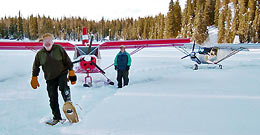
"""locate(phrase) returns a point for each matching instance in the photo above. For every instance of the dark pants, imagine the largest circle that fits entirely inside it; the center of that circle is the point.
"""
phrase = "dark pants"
(122, 74)
(52, 88)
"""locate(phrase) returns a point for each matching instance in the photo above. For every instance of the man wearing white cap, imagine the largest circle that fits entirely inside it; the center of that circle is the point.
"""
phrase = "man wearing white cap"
(122, 64)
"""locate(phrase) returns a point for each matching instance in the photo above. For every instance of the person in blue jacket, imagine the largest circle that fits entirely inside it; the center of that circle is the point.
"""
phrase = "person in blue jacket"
(122, 64)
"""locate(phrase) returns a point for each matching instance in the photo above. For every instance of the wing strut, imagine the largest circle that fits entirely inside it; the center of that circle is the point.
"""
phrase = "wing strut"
(231, 54)
(181, 49)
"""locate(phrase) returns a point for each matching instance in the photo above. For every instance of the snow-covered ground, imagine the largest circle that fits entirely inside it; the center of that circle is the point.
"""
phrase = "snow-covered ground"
(165, 97)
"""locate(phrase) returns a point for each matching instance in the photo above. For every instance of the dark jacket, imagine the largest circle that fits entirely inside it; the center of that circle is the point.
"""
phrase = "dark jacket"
(54, 63)
(122, 60)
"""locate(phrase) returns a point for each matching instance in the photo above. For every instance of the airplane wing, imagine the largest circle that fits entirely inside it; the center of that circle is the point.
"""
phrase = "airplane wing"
(144, 43)
(20, 45)
(234, 49)
(238, 46)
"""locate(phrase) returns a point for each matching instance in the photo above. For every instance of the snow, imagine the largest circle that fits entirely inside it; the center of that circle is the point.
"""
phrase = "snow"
(236, 40)
(213, 36)
(164, 97)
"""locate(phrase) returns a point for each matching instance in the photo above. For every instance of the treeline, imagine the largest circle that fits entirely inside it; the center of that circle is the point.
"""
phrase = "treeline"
(232, 17)
(71, 28)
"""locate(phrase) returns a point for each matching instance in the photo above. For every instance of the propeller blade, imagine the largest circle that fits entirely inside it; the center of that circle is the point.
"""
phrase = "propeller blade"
(185, 56)
(77, 61)
(199, 62)
(90, 44)
(193, 47)
(102, 71)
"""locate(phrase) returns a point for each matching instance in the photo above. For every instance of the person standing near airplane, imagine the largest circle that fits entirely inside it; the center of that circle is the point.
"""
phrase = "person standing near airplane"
(55, 64)
(122, 64)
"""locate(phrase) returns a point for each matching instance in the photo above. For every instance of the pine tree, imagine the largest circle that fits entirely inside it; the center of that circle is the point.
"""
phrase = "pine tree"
(20, 33)
(235, 21)
(5, 31)
(228, 30)
(217, 7)
(161, 26)
(152, 31)
(251, 17)
(221, 27)
(170, 27)
(256, 27)
(251, 10)
(13, 28)
(178, 17)
(102, 28)
(156, 26)
(26, 28)
(33, 26)
(133, 31)
(1, 29)
(190, 19)
(243, 18)
(145, 30)
(200, 27)
(209, 12)
(184, 23)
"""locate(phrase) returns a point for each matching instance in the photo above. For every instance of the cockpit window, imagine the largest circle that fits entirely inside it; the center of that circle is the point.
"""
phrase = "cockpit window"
(204, 50)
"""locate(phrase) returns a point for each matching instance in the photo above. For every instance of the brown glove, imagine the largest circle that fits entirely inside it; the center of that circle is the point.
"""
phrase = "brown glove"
(72, 77)
(34, 82)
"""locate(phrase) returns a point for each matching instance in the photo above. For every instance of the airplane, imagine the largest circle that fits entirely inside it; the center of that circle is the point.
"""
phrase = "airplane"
(214, 54)
(87, 55)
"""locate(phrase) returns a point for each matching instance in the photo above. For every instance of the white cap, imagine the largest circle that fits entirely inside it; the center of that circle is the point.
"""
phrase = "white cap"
(122, 46)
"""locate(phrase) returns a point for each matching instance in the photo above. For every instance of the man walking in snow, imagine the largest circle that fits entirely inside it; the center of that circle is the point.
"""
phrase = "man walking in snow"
(55, 64)
(122, 64)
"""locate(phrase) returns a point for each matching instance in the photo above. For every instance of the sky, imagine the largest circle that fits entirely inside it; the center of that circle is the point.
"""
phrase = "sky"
(90, 9)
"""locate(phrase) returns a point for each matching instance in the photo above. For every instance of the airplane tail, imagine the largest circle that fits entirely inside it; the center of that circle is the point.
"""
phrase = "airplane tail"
(85, 38)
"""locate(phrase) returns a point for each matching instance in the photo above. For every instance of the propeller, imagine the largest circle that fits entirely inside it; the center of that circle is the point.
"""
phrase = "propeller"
(192, 54)
(90, 44)
(185, 56)
(193, 47)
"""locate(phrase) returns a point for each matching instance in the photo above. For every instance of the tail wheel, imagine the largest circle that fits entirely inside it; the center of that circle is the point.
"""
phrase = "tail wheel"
(196, 67)
(220, 66)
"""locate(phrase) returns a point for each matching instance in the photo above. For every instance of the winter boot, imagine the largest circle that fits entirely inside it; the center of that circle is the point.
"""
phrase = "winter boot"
(53, 122)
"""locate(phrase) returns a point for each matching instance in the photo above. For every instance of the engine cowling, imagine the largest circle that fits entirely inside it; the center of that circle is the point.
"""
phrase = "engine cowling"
(86, 64)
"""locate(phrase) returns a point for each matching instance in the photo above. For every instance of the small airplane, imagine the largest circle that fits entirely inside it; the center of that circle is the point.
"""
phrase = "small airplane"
(214, 54)
(87, 54)
(87, 57)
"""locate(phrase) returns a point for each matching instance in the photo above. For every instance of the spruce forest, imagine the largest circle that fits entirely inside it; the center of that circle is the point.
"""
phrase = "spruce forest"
(231, 17)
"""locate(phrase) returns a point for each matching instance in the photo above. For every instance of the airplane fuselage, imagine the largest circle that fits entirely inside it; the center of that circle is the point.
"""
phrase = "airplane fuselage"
(205, 56)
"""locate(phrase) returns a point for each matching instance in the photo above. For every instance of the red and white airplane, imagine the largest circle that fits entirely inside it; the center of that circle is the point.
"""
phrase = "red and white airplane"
(87, 55)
